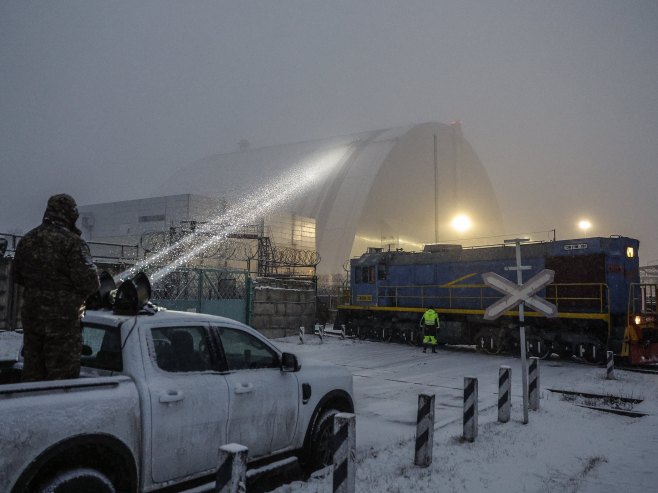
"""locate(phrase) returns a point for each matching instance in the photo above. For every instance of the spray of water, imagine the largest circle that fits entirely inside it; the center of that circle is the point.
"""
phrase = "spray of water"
(270, 197)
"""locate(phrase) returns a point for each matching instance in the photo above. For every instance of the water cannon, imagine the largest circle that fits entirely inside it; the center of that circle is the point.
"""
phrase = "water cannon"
(132, 295)
(129, 298)
(103, 297)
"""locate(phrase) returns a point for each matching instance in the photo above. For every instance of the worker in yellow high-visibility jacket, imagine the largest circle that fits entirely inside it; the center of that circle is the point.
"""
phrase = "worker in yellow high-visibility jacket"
(430, 324)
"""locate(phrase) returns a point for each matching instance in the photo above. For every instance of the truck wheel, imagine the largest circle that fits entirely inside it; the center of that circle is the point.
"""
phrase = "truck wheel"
(322, 441)
(78, 480)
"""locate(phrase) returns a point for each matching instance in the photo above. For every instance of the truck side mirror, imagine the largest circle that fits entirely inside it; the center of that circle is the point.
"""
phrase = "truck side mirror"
(289, 362)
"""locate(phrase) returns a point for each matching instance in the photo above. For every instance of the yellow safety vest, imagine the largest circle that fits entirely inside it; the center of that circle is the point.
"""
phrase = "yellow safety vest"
(430, 317)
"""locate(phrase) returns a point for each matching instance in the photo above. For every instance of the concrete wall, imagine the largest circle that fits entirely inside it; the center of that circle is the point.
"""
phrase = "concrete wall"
(280, 307)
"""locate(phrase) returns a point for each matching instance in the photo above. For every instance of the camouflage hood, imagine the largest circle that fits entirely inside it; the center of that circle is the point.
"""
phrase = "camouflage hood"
(62, 210)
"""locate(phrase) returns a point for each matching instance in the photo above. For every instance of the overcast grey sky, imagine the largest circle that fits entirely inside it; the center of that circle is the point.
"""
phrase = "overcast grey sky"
(559, 98)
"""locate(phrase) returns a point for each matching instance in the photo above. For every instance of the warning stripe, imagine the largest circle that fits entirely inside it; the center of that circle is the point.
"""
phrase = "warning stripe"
(224, 472)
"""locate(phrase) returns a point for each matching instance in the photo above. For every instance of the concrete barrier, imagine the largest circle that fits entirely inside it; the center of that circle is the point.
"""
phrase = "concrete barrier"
(533, 384)
(610, 366)
(424, 430)
(344, 477)
(231, 476)
(470, 408)
(504, 393)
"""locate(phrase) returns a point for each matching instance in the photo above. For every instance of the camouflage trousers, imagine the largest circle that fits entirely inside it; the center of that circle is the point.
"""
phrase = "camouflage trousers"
(51, 349)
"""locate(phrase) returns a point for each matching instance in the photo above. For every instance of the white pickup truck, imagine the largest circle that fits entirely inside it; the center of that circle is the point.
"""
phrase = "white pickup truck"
(160, 391)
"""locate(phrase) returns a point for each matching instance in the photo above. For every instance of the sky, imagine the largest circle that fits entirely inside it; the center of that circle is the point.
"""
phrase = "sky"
(106, 100)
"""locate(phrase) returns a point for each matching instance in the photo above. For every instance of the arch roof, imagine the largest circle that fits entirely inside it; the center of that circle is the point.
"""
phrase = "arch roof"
(383, 185)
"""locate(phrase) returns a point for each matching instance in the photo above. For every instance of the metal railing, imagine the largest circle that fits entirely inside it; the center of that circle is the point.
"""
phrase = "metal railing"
(100, 251)
(578, 297)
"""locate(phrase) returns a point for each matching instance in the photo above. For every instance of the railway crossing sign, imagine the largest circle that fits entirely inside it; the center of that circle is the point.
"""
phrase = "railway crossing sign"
(515, 294)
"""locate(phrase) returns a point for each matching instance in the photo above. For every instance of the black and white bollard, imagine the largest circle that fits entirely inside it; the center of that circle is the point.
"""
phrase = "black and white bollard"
(342, 331)
(320, 330)
(504, 393)
(424, 430)
(344, 479)
(610, 366)
(301, 335)
(470, 408)
(231, 474)
(533, 384)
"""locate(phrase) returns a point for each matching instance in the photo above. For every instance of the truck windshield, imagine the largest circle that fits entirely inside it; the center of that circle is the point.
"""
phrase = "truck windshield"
(101, 348)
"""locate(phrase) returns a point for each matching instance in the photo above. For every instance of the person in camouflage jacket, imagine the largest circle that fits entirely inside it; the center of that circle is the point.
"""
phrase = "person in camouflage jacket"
(53, 264)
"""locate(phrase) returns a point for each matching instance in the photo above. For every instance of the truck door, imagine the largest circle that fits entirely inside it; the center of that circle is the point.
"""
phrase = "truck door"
(189, 401)
(264, 401)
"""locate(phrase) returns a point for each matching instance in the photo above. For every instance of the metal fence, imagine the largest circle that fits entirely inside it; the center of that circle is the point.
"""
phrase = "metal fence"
(225, 292)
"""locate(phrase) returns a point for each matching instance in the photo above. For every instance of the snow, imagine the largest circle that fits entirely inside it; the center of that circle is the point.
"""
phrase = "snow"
(563, 448)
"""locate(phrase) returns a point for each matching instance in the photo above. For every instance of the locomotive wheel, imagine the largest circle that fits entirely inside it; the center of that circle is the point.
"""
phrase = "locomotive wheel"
(488, 342)
(592, 352)
(408, 336)
(537, 347)
(362, 332)
(385, 335)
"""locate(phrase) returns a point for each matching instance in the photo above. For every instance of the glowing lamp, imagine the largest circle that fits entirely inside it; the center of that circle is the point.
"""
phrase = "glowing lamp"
(584, 224)
(461, 223)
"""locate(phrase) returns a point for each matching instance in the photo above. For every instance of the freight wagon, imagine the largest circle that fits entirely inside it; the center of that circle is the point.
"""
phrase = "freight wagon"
(601, 303)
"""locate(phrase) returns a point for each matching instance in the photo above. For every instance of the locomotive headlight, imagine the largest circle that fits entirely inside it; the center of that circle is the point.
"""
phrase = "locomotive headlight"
(638, 320)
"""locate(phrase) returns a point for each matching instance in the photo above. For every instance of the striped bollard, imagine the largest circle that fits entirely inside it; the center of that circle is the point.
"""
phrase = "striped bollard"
(504, 393)
(232, 470)
(470, 408)
(533, 383)
(344, 478)
(320, 331)
(342, 331)
(610, 365)
(301, 335)
(424, 430)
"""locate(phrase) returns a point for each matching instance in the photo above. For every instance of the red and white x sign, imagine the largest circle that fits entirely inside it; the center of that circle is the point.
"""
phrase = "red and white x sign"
(519, 294)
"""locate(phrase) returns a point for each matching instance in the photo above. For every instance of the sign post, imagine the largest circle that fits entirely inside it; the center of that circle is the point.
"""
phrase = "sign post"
(520, 294)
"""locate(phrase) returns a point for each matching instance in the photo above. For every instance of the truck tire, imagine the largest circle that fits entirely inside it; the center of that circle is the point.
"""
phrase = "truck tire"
(322, 441)
(77, 480)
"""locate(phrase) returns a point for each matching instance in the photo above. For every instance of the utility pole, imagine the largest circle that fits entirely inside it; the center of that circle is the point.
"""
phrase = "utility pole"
(436, 191)
(524, 362)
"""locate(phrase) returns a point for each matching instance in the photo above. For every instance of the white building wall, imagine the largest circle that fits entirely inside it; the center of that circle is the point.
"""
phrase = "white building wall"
(125, 222)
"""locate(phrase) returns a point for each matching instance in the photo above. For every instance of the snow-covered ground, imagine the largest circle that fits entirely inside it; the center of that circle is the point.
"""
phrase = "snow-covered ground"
(563, 448)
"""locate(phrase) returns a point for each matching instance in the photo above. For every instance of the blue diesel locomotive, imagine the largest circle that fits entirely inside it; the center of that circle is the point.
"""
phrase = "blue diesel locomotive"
(601, 303)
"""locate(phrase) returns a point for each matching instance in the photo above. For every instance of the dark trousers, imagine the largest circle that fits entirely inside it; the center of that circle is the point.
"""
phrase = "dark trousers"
(51, 349)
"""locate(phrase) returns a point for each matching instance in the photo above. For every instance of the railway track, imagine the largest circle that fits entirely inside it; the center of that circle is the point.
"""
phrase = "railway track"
(651, 369)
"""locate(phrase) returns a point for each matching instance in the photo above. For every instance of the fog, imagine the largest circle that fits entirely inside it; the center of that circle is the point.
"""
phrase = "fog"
(106, 100)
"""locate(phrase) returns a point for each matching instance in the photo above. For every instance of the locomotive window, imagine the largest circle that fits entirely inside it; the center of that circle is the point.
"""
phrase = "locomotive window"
(381, 272)
(368, 274)
(357, 275)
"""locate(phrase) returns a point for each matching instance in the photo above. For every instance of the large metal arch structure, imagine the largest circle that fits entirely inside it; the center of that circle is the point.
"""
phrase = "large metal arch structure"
(391, 188)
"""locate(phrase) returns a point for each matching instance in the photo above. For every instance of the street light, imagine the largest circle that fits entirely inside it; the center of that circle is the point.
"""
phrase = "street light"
(584, 224)
(461, 223)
